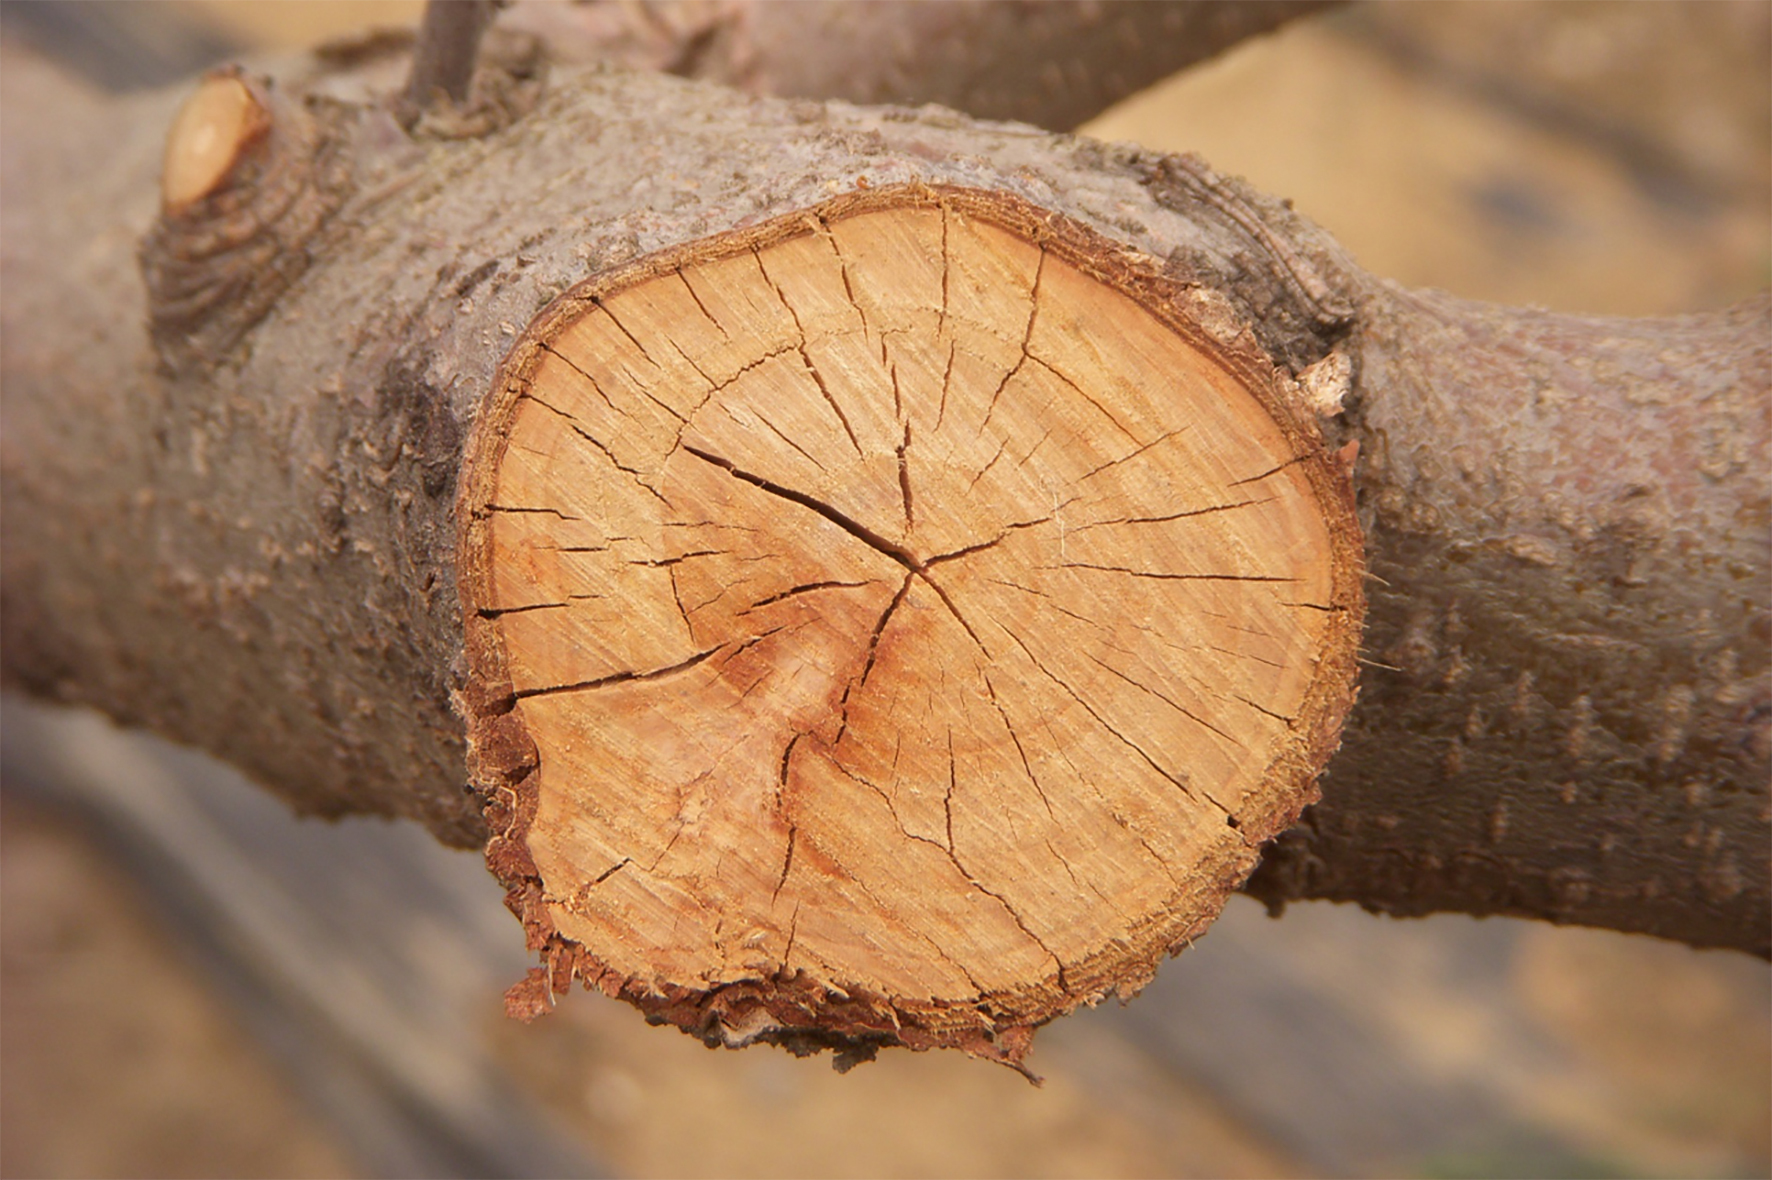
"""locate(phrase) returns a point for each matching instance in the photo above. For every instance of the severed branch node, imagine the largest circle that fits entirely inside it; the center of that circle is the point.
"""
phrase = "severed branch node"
(895, 624)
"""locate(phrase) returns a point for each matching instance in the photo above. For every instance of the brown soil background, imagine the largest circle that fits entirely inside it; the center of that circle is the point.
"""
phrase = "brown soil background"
(1601, 157)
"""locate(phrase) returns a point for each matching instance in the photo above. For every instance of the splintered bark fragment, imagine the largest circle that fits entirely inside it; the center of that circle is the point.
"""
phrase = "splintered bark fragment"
(896, 623)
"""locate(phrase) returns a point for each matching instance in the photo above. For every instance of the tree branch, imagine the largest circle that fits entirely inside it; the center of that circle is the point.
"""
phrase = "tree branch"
(252, 549)
(444, 56)
(1055, 64)
(1565, 714)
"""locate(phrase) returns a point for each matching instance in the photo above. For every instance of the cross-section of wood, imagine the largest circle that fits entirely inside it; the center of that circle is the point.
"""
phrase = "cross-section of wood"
(898, 623)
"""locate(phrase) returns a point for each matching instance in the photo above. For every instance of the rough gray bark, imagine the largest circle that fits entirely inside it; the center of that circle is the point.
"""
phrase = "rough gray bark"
(1566, 711)
(249, 545)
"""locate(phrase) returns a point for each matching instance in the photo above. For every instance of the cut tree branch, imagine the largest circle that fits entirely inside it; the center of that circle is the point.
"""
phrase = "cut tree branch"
(249, 541)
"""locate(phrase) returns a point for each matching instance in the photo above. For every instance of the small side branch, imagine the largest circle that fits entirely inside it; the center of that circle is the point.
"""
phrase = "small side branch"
(443, 60)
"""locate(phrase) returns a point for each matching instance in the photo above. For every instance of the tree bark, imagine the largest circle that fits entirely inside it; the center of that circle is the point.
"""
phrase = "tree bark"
(1565, 711)
(1054, 63)
(246, 540)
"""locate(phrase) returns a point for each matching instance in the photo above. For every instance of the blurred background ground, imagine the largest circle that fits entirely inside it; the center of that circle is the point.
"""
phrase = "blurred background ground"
(173, 1005)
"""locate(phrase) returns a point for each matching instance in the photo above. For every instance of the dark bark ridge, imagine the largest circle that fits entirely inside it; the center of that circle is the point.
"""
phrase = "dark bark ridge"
(1567, 514)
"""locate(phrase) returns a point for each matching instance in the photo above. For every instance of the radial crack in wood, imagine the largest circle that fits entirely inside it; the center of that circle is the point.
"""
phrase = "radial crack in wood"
(922, 652)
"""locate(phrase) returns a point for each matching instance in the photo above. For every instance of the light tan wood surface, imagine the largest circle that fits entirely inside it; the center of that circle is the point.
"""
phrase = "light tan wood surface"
(216, 124)
(900, 609)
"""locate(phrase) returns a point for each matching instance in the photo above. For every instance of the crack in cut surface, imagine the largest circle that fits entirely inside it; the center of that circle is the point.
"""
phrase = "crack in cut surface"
(1185, 515)
(954, 857)
(901, 688)
(867, 667)
(1166, 577)
(620, 677)
(803, 588)
(1179, 782)
(848, 524)
(630, 677)
(904, 468)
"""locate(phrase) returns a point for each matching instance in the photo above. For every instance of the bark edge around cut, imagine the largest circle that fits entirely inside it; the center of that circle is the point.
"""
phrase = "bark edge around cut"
(788, 1008)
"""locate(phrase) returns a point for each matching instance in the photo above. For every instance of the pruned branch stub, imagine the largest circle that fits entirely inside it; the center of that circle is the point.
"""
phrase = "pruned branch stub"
(896, 623)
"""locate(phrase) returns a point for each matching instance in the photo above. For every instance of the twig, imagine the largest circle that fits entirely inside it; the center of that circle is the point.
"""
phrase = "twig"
(443, 60)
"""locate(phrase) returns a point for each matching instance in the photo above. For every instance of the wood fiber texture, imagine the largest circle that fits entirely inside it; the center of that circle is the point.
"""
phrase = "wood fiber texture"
(893, 616)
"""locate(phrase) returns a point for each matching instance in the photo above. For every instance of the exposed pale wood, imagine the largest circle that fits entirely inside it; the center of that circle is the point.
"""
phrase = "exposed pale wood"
(899, 609)
(221, 119)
